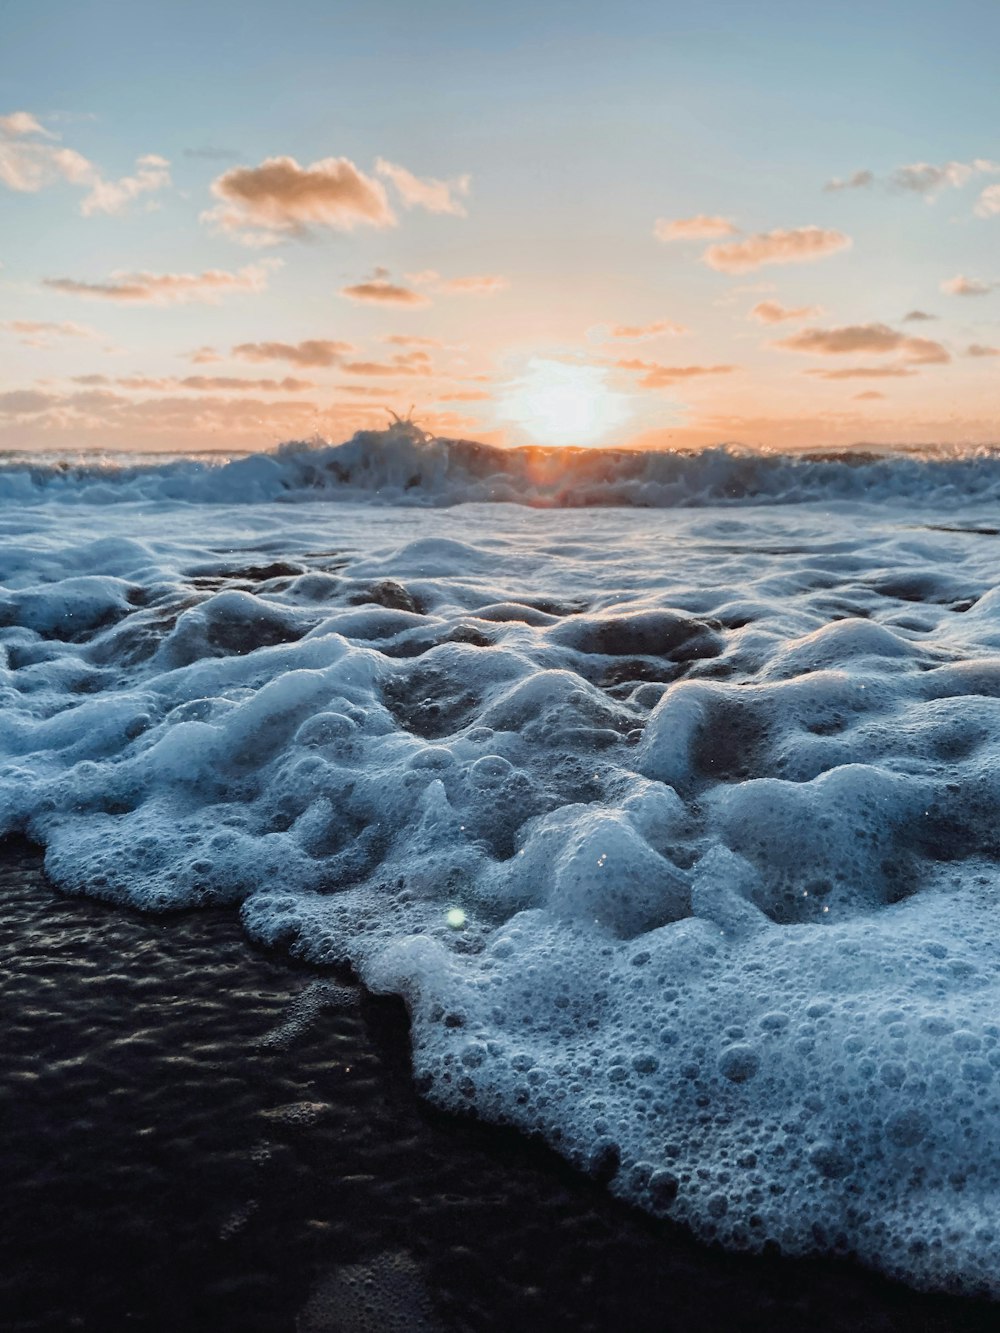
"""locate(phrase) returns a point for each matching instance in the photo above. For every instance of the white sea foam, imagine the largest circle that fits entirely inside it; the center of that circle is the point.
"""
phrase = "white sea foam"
(676, 829)
(403, 466)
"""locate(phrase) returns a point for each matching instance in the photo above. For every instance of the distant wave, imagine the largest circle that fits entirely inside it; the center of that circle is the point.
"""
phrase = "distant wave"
(403, 465)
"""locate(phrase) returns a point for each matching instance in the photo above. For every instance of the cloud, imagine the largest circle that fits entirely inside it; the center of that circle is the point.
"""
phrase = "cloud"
(865, 339)
(773, 312)
(929, 179)
(989, 202)
(979, 349)
(408, 340)
(40, 332)
(21, 123)
(864, 373)
(311, 352)
(478, 284)
(860, 180)
(19, 402)
(433, 195)
(405, 363)
(963, 286)
(280, 199)
(152, 174)
(924, 178)
(800, 245)
(199, 383)
(27, 166)
(380, 290)
(702, 227)
(465, 396)
(660, 328)
(917, 316)
(204, 356)
(167, 288)
(656, 376)
(869, 395)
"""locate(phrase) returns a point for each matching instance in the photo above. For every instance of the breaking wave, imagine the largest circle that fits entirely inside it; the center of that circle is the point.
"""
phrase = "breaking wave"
(403, 465)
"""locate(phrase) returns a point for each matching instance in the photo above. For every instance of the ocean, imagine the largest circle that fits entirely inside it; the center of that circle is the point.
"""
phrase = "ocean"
(662, 787)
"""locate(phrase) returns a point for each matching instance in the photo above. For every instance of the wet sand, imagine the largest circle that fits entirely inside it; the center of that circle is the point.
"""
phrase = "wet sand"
(195, 1134)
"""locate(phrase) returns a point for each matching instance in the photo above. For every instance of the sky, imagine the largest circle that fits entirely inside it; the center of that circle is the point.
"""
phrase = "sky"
(224, 225)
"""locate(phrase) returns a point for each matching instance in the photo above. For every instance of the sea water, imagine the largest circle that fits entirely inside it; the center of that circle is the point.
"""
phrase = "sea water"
(664, 788)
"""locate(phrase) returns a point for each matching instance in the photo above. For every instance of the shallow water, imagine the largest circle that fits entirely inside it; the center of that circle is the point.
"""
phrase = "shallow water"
(675, 828)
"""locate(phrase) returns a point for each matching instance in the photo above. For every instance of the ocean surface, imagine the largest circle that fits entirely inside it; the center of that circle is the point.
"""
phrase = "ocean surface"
(662, 787)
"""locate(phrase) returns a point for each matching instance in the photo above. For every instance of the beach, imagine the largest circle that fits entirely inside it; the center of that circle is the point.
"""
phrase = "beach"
(200, 1135)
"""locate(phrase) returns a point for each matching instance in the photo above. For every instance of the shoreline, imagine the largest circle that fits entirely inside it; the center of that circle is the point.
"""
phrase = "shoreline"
(202, 1134)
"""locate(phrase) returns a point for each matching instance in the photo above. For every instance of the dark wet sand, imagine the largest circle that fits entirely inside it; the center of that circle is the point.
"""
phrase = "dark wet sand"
(198, 1135)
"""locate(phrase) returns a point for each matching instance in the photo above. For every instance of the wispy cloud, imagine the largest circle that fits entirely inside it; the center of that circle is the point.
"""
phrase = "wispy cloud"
(702, 227)
(980, 349)
(167, 288)
(198, 383)
(860, 180)
(379, 289)
(404, 363)
(917, 317)
(660, 328)
(989, 202)
(864, 373)
(435, 196)
(409, 340)
(869, 395)
(773, 312)
(313, 352)
(280, 199)
(798, 245)
(928, 179)
(30, 161)
(960, 285)
(657, 376)
(475, 284)
(866, 339)
(40, 332)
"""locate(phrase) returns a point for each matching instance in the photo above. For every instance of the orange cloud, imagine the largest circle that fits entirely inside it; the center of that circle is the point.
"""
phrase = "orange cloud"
(703, 227)
(871, 339)
(380, 290)
(408, 340)
(465, 396)
(869, 395)
(433, 195)
(411, 363)
(204, 356)
(960, 285)
(660, 328)
(480, 284)
(212, 383)
(657, 376)
(311, 352)
(167, 288)
(800, 245)
(978, 349)
(773, 312)
(40, 332)
(280, 199)
(864, 373)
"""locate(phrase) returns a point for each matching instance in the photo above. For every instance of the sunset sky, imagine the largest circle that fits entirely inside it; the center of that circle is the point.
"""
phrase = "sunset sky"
(229, 224)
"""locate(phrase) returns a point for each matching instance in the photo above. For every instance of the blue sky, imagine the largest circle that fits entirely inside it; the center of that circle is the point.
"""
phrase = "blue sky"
(580, 126)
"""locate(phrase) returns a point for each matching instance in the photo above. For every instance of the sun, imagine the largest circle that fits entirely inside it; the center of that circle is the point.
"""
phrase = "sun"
(562, 403)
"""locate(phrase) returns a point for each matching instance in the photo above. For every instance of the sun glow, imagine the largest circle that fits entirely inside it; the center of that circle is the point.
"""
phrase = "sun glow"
(560, 403)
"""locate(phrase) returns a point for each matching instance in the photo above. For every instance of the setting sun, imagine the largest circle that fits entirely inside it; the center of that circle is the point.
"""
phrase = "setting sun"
(559, 402)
